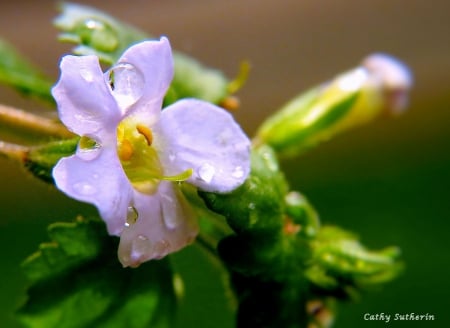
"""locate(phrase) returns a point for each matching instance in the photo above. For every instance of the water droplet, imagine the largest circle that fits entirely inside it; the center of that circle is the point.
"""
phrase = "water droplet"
(238, 172)
(141, 247)
(127, 84)
(88, 148)
(172, 156)
(132, 216)
(206, 172)
(84, 188)
(86, 74)
(161, 248)
(270, 160)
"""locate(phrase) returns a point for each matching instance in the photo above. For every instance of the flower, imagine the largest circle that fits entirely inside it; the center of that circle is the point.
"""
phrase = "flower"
(131, 155)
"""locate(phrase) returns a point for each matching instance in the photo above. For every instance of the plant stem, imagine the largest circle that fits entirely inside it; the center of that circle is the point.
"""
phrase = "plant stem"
(13, 151)
(18, 118)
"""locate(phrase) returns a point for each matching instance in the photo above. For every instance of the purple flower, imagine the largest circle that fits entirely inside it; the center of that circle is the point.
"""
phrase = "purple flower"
(132, 156)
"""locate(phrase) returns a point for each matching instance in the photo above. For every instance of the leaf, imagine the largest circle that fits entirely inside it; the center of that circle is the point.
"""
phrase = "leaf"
(339, 260)
(77, 281)
(97, 33)
(40, 160)
(258, 204)
(18, 72)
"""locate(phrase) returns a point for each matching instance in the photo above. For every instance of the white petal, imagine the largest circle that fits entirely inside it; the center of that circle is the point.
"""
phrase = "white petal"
(97, 179)
(165, 224)
(84, 101)
(194, 134)
(154, 63)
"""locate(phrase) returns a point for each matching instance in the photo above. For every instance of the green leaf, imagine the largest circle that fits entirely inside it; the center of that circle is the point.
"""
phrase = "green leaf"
(97, 33)
(40, 160)
(19, 73)
(258, 204)
(340, 260)
(77, 281)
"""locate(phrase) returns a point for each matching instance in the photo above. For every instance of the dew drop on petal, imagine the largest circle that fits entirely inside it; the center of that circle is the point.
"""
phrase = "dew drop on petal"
(238, 172)
(127, 84)
(88, 148)
(172, 156)
(84, 188)
(141, 247)
(86, 75)
(161, 249)
(132, 216)
(206, 172)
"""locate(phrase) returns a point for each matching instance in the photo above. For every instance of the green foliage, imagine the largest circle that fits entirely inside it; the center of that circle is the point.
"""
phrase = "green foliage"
(340, 262)
(40, 160)
(78, 282)
(19, 73)
(99, 34)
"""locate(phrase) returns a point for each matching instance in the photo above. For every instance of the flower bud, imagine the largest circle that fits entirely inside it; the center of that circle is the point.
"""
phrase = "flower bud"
(351, 99)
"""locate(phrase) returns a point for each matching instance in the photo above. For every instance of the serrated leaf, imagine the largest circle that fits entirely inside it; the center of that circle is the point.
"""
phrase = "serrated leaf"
(77, 281)
(18, 72)
(97, 33)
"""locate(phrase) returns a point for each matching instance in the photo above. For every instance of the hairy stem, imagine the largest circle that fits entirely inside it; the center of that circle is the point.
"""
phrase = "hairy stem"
(13, 151)
(17, 118)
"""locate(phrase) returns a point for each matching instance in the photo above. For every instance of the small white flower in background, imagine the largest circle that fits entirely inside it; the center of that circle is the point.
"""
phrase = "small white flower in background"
(131, 154)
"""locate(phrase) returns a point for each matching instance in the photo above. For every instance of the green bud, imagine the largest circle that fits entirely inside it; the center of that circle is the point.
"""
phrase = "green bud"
(351, 99)
(97, 33)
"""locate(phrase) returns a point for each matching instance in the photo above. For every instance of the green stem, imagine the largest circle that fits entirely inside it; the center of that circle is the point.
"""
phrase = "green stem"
(20, 119)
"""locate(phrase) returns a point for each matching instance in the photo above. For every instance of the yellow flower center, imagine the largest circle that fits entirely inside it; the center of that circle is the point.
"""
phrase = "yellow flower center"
(139, 159)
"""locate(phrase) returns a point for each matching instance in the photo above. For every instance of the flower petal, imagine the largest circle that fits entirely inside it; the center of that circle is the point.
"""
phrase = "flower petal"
(98, 179)
(84, 101)
(153, 59)
(165, 224)
(198, 135)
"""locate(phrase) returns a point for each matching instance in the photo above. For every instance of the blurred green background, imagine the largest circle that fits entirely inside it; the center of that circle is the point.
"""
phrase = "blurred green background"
(387, 181)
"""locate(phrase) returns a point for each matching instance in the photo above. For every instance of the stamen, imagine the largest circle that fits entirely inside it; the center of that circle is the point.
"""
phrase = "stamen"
(183, 176)
(146, 132)
(126, 150)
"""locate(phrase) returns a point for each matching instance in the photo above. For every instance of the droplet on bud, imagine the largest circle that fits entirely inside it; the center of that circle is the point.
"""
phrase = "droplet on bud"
(97, 34)
(127, 84)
